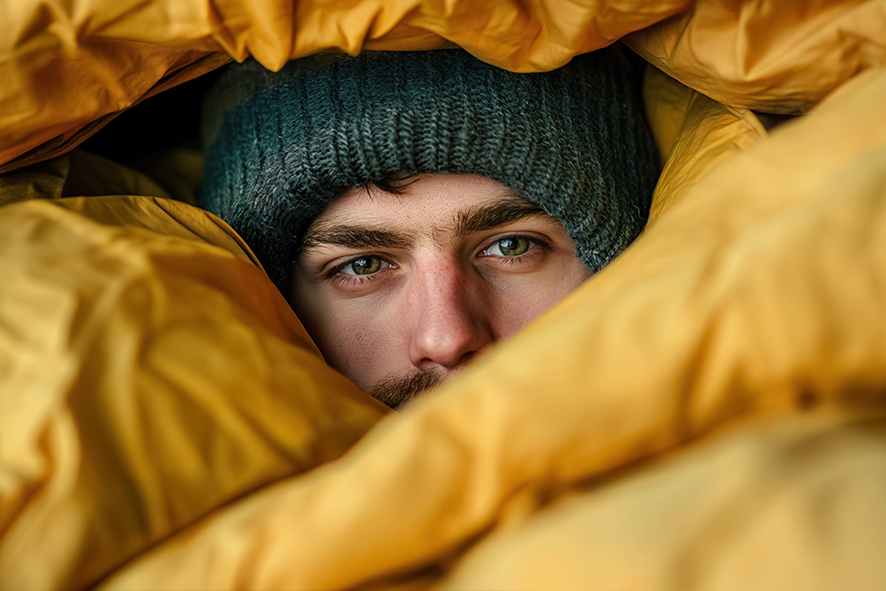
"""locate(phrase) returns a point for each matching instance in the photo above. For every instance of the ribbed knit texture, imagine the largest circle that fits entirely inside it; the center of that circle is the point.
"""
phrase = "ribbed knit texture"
(282, 146)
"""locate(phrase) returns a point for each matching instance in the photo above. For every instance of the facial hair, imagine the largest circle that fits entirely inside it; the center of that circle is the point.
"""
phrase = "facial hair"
(398, 391)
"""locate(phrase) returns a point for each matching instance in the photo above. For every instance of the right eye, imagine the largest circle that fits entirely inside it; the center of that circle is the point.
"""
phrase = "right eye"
(364, 265)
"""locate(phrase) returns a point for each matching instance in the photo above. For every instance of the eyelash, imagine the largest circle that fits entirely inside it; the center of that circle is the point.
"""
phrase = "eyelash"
(542, 246)
(335, 273)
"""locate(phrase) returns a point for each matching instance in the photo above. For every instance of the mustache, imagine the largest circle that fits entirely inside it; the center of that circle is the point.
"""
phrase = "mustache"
(398, 391)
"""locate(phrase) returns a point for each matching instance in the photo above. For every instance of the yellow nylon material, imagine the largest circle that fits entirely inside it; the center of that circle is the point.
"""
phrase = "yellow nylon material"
(149, 373)
(67, 67)
(694, 135)
(792, 504)
(755, 298)
(773, 56)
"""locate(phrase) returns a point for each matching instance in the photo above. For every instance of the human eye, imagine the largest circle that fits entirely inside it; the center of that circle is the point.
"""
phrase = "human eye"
(361, 266)
(512, 246)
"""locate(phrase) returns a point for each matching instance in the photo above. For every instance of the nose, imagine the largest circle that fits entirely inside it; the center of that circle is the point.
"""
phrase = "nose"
(451, 321)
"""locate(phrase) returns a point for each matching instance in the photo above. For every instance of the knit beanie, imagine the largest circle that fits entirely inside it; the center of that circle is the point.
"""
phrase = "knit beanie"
(281, 146)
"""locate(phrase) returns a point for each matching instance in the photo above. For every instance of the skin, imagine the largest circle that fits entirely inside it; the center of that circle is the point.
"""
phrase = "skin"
(402, 291)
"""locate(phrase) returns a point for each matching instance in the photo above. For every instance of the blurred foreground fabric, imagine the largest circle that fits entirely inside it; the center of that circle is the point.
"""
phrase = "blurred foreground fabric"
(709, 412)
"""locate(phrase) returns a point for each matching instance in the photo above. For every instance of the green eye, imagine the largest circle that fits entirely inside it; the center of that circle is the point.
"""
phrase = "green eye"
(365, 265)
(515, 246)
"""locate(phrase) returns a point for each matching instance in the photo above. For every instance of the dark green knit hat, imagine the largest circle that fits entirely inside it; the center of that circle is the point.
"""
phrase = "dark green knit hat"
(281, 146)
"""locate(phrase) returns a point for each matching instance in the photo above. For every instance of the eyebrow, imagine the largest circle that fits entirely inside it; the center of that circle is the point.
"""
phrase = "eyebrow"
(355, 237)
(512, 206)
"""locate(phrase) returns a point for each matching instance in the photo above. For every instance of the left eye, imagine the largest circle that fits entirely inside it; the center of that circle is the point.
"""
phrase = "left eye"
(509, 247)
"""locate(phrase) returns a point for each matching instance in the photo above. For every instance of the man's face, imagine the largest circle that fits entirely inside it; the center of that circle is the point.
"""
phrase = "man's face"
(401, 291)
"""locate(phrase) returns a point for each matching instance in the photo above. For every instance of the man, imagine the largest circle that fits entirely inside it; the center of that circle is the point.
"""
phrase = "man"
(417, 207)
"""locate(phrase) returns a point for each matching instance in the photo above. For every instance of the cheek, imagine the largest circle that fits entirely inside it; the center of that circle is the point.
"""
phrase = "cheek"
(520, 300)
(358, 343)
(515, 310)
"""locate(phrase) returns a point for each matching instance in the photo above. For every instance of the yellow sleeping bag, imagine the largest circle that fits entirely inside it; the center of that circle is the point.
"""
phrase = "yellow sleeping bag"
(707, 412)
